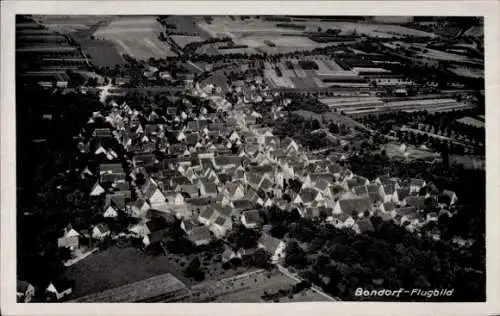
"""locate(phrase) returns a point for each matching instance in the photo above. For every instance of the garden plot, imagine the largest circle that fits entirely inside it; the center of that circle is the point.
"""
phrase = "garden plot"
(136, 36)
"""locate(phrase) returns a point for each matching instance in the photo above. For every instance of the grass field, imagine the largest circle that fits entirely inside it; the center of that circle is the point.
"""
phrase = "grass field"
(136, 36)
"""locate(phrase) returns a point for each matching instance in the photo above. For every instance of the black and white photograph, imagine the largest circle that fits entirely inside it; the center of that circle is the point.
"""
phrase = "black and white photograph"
(272, 158)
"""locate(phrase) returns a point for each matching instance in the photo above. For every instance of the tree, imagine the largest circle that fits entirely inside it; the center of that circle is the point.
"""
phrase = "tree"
(193, 270)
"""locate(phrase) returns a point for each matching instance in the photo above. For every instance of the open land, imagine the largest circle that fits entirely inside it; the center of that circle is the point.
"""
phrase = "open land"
(131, 265)
(136, 36)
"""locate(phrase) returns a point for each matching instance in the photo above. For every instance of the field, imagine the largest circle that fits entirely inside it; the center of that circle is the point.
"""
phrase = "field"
(67, 24)
(393, 150)
(224, 26)
(136, 36)
(467, 72)
(249, 288)
(115, 267)
(471, 121)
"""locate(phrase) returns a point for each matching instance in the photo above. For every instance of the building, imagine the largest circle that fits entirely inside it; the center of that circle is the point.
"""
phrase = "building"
(275, 247)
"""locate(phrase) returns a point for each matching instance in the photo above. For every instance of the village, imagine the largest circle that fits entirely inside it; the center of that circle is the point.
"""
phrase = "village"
(220, 168)
(248, 158)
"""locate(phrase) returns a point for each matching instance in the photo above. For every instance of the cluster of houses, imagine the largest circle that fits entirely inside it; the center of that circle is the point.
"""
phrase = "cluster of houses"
(218, 168)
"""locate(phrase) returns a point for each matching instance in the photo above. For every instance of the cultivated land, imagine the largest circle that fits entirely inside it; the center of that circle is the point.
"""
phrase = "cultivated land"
(130, 265)
(250, 287)
(136, 37)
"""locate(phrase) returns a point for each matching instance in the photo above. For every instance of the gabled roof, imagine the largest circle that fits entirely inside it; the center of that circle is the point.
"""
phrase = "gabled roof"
(415, 201)
(408, 211)
(417, 182)
(102, 228)
(353, 207)
(157, 224)
(389, 206)
(373, 188)
(365, 225)
(252, 217)
(199, 233)
(321, 185)
(209, 213)
(243, 204)
(403, 193)
(269, 243)
(111, 168)
(266, 184)
(220, 220)
(118, 199)
(389, 189)
(308, 195)
(227, 160)
(325, 176)
(360, 190)
(150, 190)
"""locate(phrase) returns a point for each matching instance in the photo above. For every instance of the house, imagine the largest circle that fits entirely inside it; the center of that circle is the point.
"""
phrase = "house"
(363, 226)
(234, 190)
(387, 207)
(110, 212)
(275, 247)
(208, 215)
(417, 202)
(408, 217)
(353, 207)
(25, 292)
(389, 193)
(431, 217)
(59, 289)
(220, 226)
(118, 199)
(375, 193)
(156, 229)
(174, 199)
(416, 185)
(243, 205)
(138, 208)
(251, 219)
(200, 235)
(100, 231)
(229, 254)
(357, 181)
(70, 239)
(307, 196)
(97, 190)
(155, 197)
(187, 225)
(207, 189)
(403, 193)
(449, 196)
(340, 220)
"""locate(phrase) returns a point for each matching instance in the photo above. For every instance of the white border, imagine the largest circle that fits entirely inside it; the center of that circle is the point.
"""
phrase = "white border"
(489, 9)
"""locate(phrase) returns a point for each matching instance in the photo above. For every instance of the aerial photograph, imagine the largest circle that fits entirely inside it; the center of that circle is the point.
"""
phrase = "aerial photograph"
(250, 159)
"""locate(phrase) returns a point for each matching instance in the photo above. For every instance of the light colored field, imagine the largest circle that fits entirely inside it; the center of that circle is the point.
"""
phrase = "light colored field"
(474, 31)
(471, 121)
(278, 82)
(136, 36)
(467, 72)
(70, 23)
